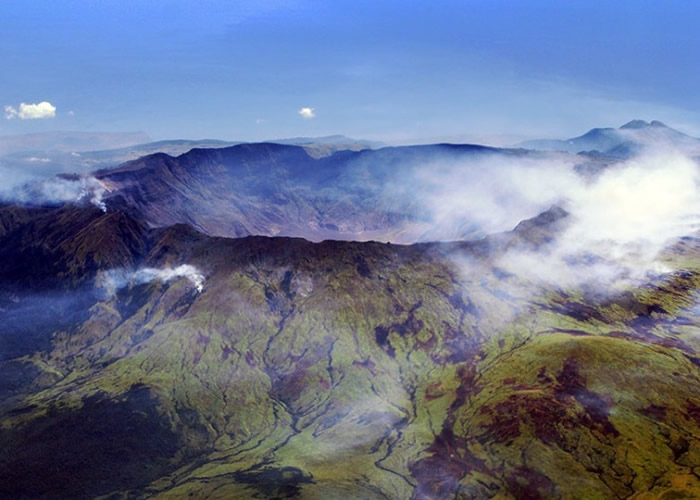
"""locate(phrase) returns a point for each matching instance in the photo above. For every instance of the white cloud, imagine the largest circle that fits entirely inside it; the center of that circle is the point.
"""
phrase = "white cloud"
(620, 221)
(307, 113)
(41, 110)
(478, 195)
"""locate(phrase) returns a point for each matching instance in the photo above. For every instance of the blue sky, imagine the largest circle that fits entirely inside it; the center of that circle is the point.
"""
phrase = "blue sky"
(399, 71)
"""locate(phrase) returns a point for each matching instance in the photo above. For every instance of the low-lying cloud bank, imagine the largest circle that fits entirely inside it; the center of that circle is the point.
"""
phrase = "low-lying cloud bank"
(116, 279)
(624, 219)
(487, 194)
(621, 219)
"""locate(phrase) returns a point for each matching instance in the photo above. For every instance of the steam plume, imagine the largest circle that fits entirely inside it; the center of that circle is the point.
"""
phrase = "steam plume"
(116, 279)
(55, 190)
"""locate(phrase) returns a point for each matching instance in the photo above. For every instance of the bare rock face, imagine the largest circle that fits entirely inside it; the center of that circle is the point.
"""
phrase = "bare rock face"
(284, 190)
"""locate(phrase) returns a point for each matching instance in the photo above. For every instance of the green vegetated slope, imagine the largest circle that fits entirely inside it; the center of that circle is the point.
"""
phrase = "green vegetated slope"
(341, 370)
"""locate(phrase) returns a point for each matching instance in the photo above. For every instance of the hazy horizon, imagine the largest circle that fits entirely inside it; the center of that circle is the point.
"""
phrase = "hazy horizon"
(489, 72)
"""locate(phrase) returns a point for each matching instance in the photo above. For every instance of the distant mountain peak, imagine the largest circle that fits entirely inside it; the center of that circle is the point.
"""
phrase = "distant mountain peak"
(637, 124)
(623, 142)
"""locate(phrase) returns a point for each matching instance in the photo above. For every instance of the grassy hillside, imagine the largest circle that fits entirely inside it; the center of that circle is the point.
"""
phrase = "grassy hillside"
(338, 369)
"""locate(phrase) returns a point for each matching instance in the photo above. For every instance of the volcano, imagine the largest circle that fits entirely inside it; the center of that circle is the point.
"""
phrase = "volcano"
(225, 329)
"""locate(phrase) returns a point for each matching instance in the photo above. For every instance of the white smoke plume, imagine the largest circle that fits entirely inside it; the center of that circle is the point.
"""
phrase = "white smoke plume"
(54, 190)
(115, 279)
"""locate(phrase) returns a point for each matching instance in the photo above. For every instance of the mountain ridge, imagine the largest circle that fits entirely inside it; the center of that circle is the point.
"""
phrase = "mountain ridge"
(623, 142)
(273, 189)
(67, 141)
(52, 156)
